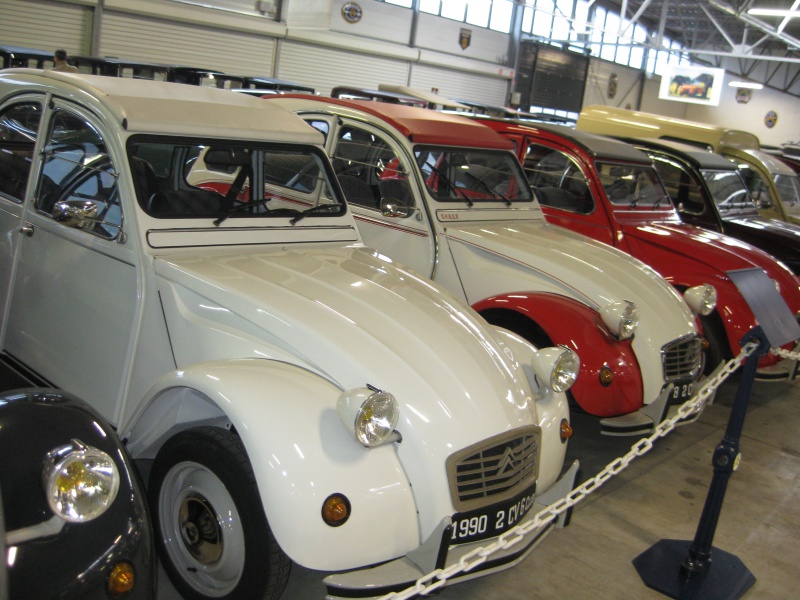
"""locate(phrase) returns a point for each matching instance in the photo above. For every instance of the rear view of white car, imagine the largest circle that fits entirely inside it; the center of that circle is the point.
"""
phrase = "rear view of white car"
(182, 259)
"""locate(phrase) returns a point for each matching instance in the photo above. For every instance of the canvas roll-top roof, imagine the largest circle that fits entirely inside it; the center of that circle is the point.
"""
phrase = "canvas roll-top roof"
(145, 106)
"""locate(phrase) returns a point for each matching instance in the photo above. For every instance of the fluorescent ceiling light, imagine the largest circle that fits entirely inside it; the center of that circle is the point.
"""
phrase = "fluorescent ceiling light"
(745, 84)
(773, 12)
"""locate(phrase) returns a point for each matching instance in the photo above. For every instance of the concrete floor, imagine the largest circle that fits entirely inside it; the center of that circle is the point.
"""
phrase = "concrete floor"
(660, 496)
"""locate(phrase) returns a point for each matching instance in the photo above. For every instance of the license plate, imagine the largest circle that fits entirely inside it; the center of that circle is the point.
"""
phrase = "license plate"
(493, 520)
(682, 391)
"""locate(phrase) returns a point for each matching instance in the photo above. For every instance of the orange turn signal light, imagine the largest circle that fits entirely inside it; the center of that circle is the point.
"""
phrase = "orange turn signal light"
(121, 579)
(606, 376)
(566, 430)
(336, 510)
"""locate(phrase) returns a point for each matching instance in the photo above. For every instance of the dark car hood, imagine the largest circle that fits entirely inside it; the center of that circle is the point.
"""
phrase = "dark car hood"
(780, 239)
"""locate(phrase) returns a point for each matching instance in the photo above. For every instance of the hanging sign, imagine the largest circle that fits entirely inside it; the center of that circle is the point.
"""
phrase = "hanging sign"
(612, 85)
(743, 95)
(351, 12)
(464, 38)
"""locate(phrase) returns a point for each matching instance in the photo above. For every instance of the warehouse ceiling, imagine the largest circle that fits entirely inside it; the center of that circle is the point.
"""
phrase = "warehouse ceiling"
(763, 49)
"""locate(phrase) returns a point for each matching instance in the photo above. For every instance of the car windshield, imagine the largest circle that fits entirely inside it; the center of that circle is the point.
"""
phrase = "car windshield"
(464, 175)
(729, 192)
(632, 186)
(789, 190)
(223, 179)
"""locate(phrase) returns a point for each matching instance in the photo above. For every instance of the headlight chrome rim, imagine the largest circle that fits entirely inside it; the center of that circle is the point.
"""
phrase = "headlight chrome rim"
(557, 367)
(621, 318)
(702, 299)
(80, 482)
(371, 414)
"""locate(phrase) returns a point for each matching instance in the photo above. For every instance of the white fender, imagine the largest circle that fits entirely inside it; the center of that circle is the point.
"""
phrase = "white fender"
(300, 452)
(551, 408)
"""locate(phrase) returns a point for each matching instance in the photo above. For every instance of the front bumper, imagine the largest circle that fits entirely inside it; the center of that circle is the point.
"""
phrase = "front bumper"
(646, 419)
(639, 422)
(436, 553)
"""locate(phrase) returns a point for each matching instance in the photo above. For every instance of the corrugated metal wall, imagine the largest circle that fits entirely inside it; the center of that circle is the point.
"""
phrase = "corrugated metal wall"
(325, 68)
(45, 25)
(134, 37)
(459, 84)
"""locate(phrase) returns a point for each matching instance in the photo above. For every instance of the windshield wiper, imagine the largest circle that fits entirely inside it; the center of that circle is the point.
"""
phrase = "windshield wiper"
(239, 207)
(452, 186)
(487, 189)
(312, 210)
(635, 201)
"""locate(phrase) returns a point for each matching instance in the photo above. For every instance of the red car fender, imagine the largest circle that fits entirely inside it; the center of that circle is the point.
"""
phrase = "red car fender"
(739, 319)
(574, 325)
(733, 312)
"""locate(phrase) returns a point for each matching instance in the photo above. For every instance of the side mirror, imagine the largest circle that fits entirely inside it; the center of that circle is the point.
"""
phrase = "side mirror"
(391, 207)
(763, 200)
(81, 214)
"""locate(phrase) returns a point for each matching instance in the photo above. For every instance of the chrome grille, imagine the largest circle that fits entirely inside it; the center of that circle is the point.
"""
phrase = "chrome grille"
(495, 469)
(682, 359)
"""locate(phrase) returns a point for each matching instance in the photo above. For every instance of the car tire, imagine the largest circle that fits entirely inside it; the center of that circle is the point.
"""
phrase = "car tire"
(198, 475)
(718, 349)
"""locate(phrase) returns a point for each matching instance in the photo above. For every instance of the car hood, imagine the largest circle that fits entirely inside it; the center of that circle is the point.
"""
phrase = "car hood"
(496, 258)
(778, 238)
(718, 253)
(558, 260)
(768, 227)
(357, 319)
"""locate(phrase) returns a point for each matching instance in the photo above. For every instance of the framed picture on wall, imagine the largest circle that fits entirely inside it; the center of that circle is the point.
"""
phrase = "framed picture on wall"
(698, 85)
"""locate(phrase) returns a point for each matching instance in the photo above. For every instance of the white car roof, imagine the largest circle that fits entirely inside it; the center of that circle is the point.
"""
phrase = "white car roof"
(144, 106)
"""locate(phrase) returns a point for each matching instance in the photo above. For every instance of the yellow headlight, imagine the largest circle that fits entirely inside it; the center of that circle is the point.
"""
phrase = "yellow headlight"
(80, 482)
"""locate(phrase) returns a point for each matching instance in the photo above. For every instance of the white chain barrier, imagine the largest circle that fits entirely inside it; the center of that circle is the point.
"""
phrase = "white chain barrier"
(785, 353)
(692, 407)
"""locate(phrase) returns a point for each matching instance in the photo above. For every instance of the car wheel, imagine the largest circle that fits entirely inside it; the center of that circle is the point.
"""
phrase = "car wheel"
(212, 535)
(717, 349)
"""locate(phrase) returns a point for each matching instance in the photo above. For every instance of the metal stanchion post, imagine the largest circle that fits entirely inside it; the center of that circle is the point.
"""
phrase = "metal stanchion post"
(680, 569)
(696, 570)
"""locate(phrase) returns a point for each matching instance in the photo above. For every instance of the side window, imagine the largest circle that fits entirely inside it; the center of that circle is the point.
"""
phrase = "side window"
(755, 183)
(683, 190)
(369, 171)
(19, 126)
(557, 180)
(320, 125)
(78, 182)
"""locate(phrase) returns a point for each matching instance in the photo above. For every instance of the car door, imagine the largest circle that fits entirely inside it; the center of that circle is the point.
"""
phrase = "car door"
(19, 126)
(564, 191)
(688, 195)
(74, 296)
(376, 174)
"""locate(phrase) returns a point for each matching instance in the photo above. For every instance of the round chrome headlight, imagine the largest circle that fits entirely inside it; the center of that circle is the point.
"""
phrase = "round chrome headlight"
(371, 414)
(556, 367)
(622, 318)
(80, 481)
(702, 299)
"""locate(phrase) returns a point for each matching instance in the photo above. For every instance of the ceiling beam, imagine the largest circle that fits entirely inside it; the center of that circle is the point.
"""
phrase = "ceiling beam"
(758, 24)
(768, 57)
(635, 17)
(786, 20)
(718, 26)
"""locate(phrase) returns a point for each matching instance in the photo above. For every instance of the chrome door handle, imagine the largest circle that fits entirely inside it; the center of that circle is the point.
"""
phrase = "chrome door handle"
(27, 229)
